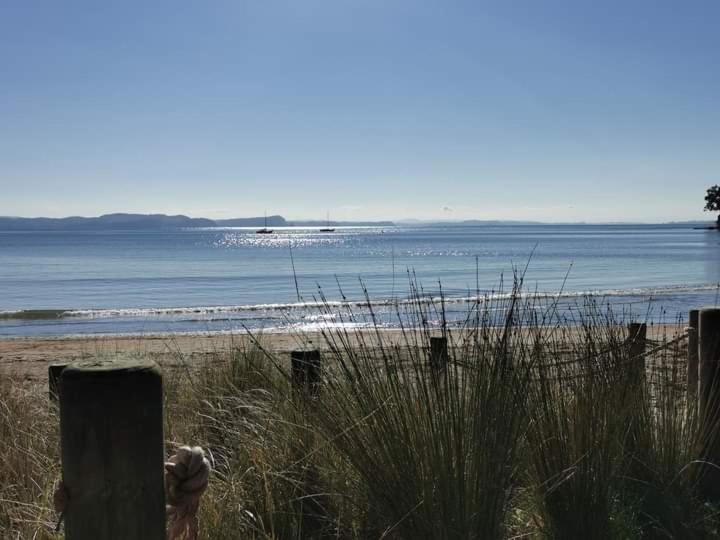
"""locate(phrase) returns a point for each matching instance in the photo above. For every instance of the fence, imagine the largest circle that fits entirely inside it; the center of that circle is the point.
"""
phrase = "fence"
(111, 416)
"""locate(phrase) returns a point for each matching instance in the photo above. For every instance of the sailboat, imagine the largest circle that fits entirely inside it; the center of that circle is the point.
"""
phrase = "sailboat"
(264, 230)
(327, 227)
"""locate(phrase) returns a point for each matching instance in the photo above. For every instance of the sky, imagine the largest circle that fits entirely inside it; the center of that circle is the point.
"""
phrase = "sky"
(546, 110)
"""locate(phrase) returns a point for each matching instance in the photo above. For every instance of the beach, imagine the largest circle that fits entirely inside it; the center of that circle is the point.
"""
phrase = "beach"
(28, 358)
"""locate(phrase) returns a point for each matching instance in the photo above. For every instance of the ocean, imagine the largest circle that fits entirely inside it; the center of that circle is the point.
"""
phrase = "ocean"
(226, 279)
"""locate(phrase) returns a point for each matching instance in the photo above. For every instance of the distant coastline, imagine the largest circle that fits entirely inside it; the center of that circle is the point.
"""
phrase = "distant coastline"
(161, 222)
(124, 221)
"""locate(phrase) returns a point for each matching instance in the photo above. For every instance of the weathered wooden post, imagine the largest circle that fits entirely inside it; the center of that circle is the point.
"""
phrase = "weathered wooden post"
(111, 426)
(637, 334)
(54, 372)
(306, 380)
(306, 371)
(708, 358)
(438, 352)
(709, 398)
(636, 395)
(692, 363)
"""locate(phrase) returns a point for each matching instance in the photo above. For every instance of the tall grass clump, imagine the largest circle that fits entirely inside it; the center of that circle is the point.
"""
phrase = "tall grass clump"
(663, 472)
(28, 461)
(579, 408)
(435, 447)
(612, 440)
(270, 479)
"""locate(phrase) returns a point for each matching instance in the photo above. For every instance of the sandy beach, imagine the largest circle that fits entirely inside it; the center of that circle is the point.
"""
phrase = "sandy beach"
(29, 358)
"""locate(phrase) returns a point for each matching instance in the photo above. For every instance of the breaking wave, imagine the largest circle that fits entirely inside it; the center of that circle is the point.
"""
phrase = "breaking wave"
(331, 305)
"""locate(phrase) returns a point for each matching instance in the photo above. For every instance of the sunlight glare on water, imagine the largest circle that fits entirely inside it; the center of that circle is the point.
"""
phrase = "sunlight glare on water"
(219, 279)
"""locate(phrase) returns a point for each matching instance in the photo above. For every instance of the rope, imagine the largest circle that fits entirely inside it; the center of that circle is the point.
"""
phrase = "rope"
(186, 478)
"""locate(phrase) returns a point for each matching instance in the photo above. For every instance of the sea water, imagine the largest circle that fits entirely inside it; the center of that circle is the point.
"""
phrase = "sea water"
(224, 279)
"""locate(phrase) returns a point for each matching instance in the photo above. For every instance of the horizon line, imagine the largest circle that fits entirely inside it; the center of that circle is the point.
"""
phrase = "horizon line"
(377, 220)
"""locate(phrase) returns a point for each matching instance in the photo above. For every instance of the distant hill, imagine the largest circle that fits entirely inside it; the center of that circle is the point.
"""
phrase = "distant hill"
(105, 222)
(272, 221)
(480, 222)
(473, 222)
(159, 221)
(318, 223)
(708, 223)
(122, 221)
(497, 222)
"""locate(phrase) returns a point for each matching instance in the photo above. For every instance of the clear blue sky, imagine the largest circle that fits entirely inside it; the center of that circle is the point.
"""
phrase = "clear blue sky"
(549, 110)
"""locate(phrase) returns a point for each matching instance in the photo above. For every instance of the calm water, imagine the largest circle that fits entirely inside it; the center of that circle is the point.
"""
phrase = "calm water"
(224, 279)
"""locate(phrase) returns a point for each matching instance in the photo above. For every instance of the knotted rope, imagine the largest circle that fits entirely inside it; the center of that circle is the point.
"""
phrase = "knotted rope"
(186, 478)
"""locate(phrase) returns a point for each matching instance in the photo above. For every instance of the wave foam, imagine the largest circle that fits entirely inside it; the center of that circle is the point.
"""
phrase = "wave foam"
(640, 292)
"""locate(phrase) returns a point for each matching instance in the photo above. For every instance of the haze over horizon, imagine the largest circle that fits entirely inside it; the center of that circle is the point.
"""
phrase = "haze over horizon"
(553, 111)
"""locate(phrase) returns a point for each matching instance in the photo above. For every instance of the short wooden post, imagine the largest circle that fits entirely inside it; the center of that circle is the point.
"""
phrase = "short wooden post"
(438, 352)
(306, 371)
(54, 372)
(111, 426)
(709, 398)
(635, 343)
(692, 363)
(306, 381)
(637, 334)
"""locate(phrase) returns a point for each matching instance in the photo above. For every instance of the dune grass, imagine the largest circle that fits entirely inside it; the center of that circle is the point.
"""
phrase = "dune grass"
(539, 425)
(29, 461)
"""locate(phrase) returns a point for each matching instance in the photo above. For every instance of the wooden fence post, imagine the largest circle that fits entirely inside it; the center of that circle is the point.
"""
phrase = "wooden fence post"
(111, 425)
(438, 352)
(709, 398)
(708, 357)
(635, 343)
(306, 380)
(54, 372)
(637, 334)
(692, 364)
(306, 371)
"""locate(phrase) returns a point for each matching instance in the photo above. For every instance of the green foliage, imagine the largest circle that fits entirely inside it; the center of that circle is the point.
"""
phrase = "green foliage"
(712, 199)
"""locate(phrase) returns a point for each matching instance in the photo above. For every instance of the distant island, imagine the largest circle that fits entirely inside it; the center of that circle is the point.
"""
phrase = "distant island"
(160, 221)
(106, 222)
